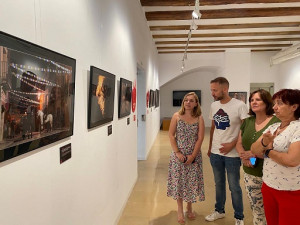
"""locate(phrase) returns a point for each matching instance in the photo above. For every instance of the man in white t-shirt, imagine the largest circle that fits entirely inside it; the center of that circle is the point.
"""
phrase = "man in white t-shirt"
(227, 115)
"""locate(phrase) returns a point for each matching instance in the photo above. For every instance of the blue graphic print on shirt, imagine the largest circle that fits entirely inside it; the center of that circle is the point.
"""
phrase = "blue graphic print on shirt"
(221, 120)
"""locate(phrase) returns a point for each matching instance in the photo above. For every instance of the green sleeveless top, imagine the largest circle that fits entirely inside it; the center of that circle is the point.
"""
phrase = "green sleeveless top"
(249, 136)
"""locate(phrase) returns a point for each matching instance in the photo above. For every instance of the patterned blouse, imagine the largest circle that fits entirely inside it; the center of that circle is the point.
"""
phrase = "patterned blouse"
(278, 176)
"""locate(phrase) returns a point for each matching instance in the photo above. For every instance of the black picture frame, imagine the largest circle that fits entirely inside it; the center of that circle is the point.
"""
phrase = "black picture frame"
(156, 98)
(240, 95)
(178, 96)
(125, 98)
(101, 97)
(37, 96)
(151, 100)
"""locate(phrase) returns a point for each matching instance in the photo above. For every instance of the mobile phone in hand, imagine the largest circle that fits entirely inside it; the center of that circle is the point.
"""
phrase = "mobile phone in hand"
(253, 161)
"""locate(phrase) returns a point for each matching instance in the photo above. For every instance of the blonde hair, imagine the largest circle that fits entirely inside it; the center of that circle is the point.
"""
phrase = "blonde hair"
(197, 109)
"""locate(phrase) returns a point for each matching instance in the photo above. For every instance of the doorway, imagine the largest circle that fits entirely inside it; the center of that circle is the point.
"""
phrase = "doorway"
(266, 86)
(141, 113)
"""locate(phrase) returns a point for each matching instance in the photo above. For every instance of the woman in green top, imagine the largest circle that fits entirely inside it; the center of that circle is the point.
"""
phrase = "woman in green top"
(261, 116)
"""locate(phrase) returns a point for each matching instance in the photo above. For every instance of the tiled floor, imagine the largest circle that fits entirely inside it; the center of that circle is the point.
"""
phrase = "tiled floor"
(148, 203)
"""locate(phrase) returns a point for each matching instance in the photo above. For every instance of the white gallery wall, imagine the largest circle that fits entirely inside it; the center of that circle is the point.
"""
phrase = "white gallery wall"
(240, 67)
(195, 80)
(93, 186)
(170, 64)
(289, 74)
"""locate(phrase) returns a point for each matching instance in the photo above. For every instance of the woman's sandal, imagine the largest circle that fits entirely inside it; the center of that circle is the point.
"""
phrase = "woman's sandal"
(181, 221)
(191, 215)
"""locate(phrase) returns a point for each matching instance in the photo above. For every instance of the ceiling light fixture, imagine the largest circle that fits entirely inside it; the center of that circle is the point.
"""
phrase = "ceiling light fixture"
(193, 25)
(196, 13)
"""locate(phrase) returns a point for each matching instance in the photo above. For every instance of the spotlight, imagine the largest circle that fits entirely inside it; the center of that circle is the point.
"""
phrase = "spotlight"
(194, 26)
(196, 13)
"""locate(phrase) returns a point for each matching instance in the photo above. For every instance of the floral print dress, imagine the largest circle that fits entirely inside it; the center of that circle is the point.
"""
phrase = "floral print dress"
(186, 181)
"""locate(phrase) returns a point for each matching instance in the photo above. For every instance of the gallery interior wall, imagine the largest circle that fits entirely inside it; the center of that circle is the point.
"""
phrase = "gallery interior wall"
(240, 68)
(92, 187)
(196, 80)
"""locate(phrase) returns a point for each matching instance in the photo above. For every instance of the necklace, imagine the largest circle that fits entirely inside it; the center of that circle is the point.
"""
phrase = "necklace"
(280, 128)
(259, 122)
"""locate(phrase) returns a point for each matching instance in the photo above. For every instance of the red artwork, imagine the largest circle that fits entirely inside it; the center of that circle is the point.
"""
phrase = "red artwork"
(133, 97)
(147, 99)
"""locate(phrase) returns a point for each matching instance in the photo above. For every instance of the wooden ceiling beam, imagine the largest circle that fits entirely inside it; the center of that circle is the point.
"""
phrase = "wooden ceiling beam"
(201, 51)
(227, 26)
(264, 50)
(227, 34)
(224, 13)
(207, 2)
(214, 51)
(227, 41)
(226, 46)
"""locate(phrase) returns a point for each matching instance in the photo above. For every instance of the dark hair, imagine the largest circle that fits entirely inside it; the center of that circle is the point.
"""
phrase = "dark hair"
(266, 98)
(220, 80)
(289, 97)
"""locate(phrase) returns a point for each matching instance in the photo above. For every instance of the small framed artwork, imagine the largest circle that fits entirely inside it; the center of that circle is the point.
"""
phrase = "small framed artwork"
(101, 97)
(151, 100)
(156, 98)
(125, 97)
(239, 95)
(37, 96)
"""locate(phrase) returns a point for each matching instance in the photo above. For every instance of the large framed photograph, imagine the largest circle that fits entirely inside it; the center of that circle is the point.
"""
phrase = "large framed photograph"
(37, 96)
(125, 97)
(101, 97)
(239, 95)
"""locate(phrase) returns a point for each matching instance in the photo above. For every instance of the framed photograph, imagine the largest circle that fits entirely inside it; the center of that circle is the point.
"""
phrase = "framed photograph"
(37, 96)
(101, 97)
(151, 100)
(125, 97)
(156, 98)
(239, 95)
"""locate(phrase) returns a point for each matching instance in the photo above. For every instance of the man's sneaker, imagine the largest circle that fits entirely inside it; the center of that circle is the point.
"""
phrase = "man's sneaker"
(239, 222)
(214, 216)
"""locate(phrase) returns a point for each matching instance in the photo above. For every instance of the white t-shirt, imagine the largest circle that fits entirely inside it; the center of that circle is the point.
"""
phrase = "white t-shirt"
(275, 175)
(227, 118)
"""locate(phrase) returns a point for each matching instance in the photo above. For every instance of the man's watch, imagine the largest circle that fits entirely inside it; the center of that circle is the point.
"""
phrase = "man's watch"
(267, 152)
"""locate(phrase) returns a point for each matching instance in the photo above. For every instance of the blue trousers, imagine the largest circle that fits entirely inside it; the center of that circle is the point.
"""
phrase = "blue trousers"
(230, 165)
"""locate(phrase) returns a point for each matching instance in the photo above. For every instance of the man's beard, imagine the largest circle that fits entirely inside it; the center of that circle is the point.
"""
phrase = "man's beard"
(219, 98)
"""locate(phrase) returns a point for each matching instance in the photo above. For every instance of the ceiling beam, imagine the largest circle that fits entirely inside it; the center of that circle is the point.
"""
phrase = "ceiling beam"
(227, 34)
(201, 51)
(213, 51)
(224, 13)
(227, 26)
(227, 41)
(264, 50)
(207, 2)
(226, 46)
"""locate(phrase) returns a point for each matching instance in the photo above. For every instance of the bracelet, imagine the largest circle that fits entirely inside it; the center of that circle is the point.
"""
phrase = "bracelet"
(267, 152)
(262, 143)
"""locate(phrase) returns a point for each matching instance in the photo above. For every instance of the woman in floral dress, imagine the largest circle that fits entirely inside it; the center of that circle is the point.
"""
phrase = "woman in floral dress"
(185, 179)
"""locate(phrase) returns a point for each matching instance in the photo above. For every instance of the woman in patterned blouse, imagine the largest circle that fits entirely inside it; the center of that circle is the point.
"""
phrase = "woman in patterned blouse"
(261, 117)
(280, 144)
